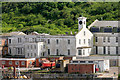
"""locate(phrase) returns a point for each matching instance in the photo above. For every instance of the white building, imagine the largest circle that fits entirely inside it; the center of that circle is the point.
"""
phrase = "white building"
(84, 39)
(71, 45)
(106, 37)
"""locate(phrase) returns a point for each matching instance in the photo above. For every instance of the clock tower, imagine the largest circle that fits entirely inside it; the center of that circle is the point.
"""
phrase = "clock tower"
(81, 23)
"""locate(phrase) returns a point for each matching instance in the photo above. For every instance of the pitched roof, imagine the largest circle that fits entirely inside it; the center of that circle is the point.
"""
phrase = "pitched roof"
(13, 33)
(98, 23)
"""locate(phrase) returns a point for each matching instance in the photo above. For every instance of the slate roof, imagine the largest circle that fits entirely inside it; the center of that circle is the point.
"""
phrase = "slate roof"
(98, 23)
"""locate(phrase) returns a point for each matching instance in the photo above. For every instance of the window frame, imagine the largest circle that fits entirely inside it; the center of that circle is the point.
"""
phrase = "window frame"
(22, 63)
(68, 51)
(57, 41)
(79, 52)
(10, 62)
(48, 51)
(96, 39)
(48, 41)
(68, 41)
(116, 39)
(16, 62)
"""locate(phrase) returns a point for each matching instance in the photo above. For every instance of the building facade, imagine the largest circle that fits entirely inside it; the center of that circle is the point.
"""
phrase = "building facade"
(10, 62)
(106, 37)
(46, 45)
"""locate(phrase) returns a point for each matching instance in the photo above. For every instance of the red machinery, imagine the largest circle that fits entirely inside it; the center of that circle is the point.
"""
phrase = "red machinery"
(46, 64)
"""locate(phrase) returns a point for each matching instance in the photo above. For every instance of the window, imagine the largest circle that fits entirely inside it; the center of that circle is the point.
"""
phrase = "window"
(90, 61)
(16, 63)
(68, 51)
(31, 46)
(10, 41)
(3, 62)
(41, 47)
(26, 39)
(104, 50)
(21, 50)
(33, 39)
(43, 53)
(83, 52)
(79, 52)
(57, 53)
(48, 51)
(79, 41)
(34, 46)
(28, 54)
(89, 41)
(96, 50)
(84, 41)
(35, 54)
(28, 46)
(10, 62)
(84, 33)
(108, 49)
(44, 46)
(48, 41)
(82, 61)
(57, 41)
(116, 39)
(68, 41)
(9, 50)
(116, 50)
(31, 55)
(18, 50)
(23, 63)
(103, 39)
(114, 63)
(96, 39)
(18, 40)
(75, 61)
(108, 39)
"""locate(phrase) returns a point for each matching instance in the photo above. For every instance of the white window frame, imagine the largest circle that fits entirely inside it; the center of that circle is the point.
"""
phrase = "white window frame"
(10, 62)
(16, 62)
(3, 62)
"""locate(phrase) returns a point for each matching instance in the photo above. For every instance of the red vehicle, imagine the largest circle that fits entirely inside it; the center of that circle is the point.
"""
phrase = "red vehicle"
(46, 64)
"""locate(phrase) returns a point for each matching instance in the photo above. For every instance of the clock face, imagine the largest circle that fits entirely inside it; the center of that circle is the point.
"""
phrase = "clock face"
(80, 22)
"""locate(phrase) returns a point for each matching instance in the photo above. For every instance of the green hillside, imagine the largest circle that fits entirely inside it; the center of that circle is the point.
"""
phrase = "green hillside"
(53, 17)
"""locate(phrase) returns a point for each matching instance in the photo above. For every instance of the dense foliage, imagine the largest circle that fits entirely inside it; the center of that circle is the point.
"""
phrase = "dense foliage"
(53, 17)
